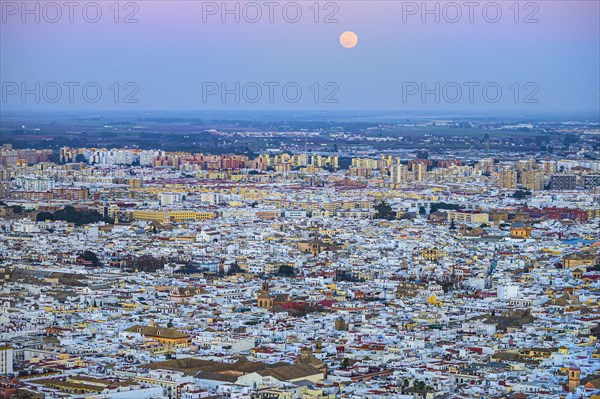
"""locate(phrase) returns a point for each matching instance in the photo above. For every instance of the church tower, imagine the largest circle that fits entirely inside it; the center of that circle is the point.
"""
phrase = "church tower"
(574, 378)
(264, 299)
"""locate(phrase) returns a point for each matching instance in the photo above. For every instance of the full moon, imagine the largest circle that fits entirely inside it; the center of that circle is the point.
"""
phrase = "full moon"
(348, 39)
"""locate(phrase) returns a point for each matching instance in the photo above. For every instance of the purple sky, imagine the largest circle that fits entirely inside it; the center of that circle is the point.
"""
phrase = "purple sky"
(170, 55)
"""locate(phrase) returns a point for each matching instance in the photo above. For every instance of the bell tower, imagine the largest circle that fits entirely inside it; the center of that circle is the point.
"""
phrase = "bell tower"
(315, 244)
(574, 378)
(264, 299)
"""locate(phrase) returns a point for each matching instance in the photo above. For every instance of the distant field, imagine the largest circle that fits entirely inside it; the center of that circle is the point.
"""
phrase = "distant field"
(197, 135)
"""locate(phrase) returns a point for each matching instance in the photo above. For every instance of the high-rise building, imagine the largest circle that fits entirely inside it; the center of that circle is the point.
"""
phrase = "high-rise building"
(386, 161)
(167, 199)
(563, 182)
(548, 167)
(419, 170)
(591, 181)
(135, 184)
(507, 179)
(33, 183)
(532, 180)
(399, 173)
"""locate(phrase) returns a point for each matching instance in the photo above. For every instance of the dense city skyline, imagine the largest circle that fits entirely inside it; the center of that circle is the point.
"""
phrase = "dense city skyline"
(311, 199)
(165, 257)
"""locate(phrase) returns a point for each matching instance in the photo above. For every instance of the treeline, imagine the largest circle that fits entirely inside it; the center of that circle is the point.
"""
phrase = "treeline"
(445, 206)
(145, 263)
(71, 215)
(16, 208)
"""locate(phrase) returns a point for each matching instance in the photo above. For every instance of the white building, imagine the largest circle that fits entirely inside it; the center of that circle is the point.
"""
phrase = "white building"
(507, 291)
(6, 359)
(170, 198)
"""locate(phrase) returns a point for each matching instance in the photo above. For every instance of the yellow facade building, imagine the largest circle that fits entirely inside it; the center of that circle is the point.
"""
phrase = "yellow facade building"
(468, 217)
(176, 216)
(164, 335)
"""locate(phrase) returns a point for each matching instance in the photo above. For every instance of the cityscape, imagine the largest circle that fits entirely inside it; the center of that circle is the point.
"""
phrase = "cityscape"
(384, 264)
(299, 199)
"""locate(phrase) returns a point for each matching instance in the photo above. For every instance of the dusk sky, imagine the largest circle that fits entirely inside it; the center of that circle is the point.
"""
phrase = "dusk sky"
(177, 61)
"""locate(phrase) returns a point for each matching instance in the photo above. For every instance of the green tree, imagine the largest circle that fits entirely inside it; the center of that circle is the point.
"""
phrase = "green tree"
(443, 205)
(43, 216)
(17, 208)
(596, 331)
(90, 256)
(145, 263)
(286, 271)
(234, 269)
(521, 194)
(71, 215)
(384, 211)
